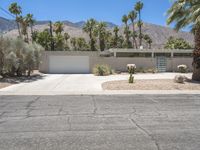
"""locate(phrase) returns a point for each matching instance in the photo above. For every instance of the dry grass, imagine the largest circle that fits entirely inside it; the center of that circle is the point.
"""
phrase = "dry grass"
(151, 85)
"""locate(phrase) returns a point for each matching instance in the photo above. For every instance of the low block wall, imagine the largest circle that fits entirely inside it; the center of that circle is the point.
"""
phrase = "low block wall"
(172, 63)
(117, 63)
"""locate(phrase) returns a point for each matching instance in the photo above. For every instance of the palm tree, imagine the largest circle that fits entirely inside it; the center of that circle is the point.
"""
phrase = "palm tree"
(108, 39)
(31, 21)
(58, 27)
(138, 7)
(101, 30)
(120, 42)
(66, 38)
(73, 43)
(24, 28)
(132, 16)
(116, 36)
(126, 31)
(59, 42)
(89, 28)
(81, 44)
(184, 13)
(16, 10)
(148, 40)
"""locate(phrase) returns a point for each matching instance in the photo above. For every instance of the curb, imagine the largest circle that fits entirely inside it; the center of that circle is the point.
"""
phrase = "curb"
(119, 92)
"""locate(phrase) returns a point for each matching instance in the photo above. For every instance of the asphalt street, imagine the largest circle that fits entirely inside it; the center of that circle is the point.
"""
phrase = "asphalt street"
(112, 122)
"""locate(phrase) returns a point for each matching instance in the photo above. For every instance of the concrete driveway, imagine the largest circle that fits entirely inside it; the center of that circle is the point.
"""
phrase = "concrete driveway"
(73, 84)
(131, 122)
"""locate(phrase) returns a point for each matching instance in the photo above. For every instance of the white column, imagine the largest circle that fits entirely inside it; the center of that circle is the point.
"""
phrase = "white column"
(115, 54)
(152, 54)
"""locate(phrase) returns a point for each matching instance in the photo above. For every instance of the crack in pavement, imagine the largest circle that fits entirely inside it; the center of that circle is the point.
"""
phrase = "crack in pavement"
(67, 130)
(1, 122)
(146, 133)
(1, 115)
(70, 125)
(142, 129)
(95, 105)
(2, 106)
(28, 106)
(126, 115)
(151, 99)
(60, 111)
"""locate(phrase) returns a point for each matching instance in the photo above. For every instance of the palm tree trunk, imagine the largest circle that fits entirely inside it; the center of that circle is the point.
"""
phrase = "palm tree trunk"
(134, 40)
(1, 62)
(32, 33)
(91, 41)
(149, 45)
(27, 37)
(127, 36)
(18, 27)
(196, 57)
(140, 28)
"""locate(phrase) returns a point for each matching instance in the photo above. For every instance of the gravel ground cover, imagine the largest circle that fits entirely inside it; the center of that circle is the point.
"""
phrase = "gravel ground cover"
(161, 84)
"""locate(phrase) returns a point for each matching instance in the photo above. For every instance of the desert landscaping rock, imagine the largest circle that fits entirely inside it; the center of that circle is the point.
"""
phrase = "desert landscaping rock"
(162, 84)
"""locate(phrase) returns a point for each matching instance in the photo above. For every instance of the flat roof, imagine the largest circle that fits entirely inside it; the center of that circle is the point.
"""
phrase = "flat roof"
(151, 50)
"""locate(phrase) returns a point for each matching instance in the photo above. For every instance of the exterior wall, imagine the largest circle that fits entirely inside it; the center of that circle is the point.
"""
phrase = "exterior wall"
(117, 63)
(172, 63)
(44, 66)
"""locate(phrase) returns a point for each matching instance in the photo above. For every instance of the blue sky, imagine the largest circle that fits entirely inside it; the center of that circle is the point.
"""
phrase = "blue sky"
(102, 10)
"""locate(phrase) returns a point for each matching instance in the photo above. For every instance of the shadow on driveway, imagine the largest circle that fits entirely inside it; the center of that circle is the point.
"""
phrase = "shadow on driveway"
(23, 79)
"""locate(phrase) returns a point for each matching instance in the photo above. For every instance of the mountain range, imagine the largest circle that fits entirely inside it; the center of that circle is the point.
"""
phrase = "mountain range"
(159, 34)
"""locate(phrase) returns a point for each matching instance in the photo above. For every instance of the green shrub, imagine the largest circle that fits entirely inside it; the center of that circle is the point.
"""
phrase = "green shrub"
(102, 70)
(131, 70)
(18, 58)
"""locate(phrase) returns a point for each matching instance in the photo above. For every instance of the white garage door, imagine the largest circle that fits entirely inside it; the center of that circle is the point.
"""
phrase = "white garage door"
(69, 64)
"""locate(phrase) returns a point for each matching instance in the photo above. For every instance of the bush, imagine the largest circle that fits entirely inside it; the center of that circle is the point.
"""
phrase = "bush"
(131, 68)
(177, 43)
(179, 79)
(102, 70)
(18, 58)
(182, 68)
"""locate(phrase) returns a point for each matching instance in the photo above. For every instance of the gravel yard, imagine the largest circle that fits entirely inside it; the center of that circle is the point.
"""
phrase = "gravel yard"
(161, 84)
(3, 85)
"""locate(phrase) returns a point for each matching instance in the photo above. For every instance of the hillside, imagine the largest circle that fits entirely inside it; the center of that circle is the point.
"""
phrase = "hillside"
(159, 34)
(6, 24)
